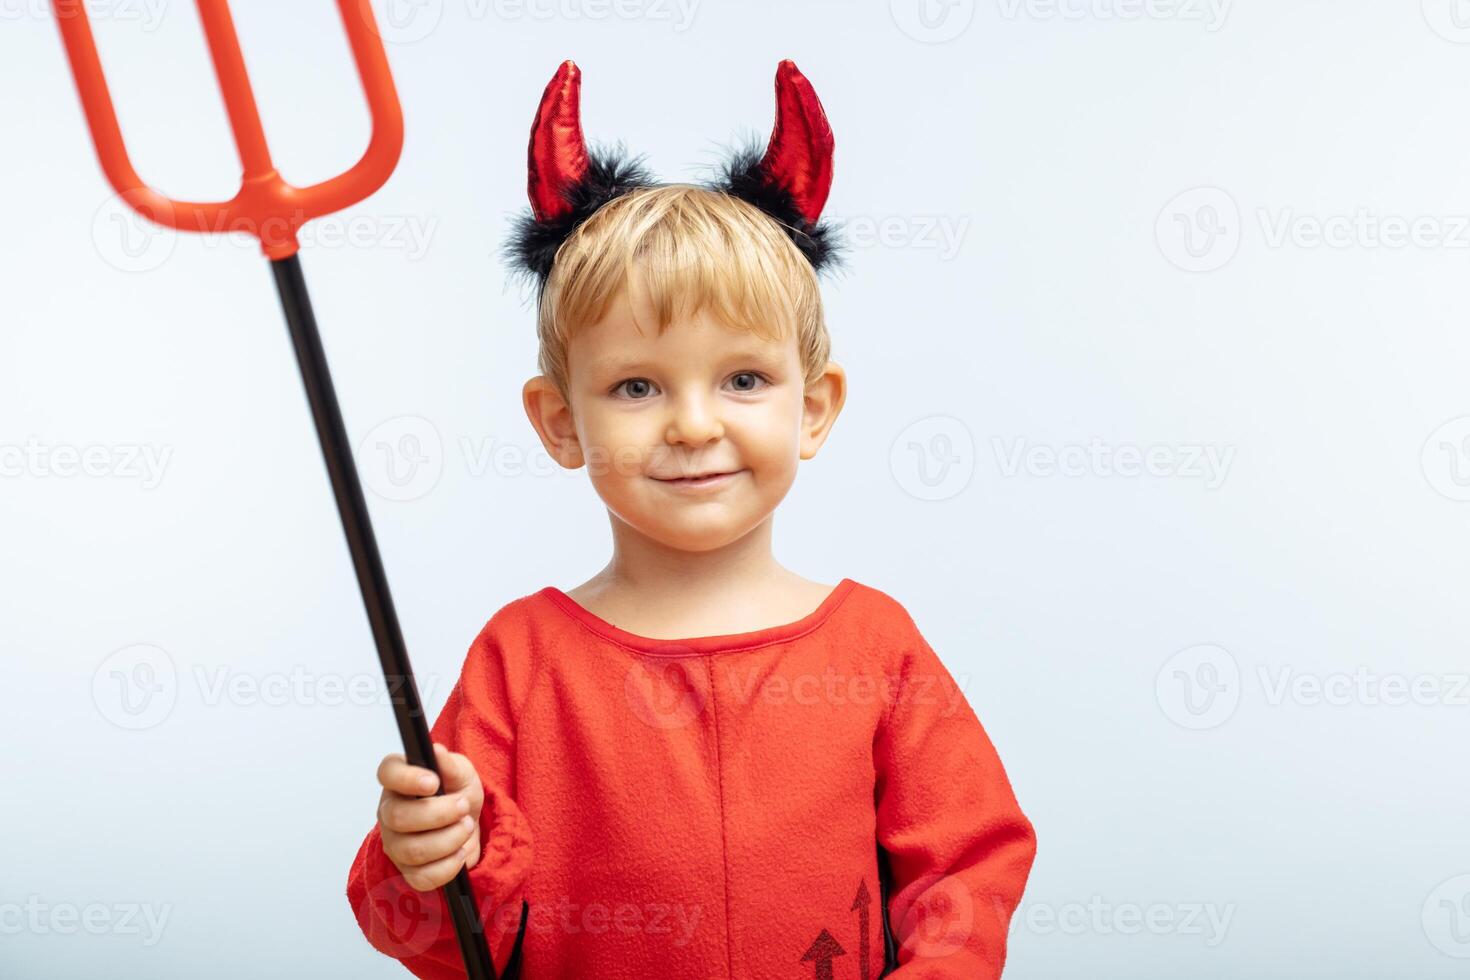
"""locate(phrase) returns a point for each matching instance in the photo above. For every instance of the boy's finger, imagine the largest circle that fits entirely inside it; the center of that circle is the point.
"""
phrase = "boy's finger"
(394, 773)
(410, 814)
(416, 850)
(435, 874)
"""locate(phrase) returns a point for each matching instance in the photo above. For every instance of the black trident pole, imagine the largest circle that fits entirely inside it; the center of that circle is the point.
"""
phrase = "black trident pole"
(418, 746)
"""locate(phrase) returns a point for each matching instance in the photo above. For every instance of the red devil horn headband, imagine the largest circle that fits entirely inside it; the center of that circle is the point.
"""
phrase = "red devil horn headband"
(567, 184)
(557, 158)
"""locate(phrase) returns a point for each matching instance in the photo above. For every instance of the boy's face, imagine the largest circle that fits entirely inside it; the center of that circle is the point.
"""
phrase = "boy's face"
(648, 411)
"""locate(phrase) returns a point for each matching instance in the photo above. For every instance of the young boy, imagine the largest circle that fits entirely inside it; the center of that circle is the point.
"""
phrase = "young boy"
(697, 763)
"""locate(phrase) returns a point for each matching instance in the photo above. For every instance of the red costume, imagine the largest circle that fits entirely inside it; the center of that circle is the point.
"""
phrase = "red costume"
(725, 806)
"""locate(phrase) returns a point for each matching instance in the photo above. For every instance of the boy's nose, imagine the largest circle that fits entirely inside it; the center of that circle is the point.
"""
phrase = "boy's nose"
(694, 421)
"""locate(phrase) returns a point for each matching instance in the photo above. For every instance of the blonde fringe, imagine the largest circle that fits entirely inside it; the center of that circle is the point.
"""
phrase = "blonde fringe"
(684, 249)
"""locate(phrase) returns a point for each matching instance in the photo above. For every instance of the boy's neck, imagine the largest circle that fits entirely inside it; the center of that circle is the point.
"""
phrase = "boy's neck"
(648, 567)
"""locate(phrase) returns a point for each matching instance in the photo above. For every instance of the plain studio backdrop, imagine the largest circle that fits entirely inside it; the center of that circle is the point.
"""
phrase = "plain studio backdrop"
(1157, 328)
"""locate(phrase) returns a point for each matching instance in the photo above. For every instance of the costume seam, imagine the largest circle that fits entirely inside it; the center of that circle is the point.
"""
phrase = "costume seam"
(724, 843)
(556, 600)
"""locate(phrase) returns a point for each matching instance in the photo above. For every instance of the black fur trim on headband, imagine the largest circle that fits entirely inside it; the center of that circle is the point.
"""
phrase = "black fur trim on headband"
(611, 173)
(533, 244)
(740, 176)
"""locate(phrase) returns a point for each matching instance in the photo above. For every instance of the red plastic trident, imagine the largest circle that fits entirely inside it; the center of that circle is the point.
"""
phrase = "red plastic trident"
(273, 211)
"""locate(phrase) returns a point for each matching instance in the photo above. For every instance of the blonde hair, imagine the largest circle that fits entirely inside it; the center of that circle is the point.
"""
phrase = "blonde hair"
(692, 249)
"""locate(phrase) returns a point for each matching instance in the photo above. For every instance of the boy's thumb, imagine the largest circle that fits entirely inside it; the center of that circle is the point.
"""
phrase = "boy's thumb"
(455, 770)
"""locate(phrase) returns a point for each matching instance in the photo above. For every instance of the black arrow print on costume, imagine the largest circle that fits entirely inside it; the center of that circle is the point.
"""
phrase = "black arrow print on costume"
(823, 948)
(863, 901)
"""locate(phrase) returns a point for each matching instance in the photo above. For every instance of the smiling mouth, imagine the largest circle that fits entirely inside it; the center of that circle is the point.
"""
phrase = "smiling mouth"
(706, 480)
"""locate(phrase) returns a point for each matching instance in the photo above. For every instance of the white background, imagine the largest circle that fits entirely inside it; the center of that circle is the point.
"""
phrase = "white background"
(1177, 230)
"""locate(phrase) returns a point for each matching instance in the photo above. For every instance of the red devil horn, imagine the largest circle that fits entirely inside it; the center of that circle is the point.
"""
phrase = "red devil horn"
(799, 157)
(558, 155)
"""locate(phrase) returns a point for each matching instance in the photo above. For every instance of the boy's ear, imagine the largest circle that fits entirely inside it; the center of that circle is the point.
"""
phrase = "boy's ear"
(551, 417)
(820, 406)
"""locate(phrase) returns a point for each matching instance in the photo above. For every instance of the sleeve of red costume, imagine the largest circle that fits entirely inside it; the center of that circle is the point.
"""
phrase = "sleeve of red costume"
(414, 927)
(959, 847)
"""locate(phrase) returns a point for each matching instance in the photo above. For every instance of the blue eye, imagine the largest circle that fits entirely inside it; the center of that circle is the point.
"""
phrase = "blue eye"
(639, 384)
(753, 375)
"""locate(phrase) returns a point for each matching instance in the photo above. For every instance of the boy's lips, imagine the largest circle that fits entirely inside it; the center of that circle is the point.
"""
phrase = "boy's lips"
(713, 478)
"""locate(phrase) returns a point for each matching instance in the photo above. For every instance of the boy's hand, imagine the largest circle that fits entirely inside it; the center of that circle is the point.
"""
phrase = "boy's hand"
(428, 837)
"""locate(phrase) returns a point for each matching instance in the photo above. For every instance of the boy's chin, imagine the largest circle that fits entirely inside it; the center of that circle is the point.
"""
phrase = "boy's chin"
(694, 534)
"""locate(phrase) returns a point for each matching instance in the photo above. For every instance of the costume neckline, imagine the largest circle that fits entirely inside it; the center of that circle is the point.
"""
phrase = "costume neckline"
(700, 645)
